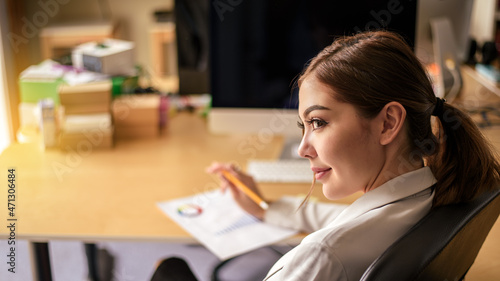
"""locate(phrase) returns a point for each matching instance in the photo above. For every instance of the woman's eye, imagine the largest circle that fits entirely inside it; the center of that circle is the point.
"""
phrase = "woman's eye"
(317, 123)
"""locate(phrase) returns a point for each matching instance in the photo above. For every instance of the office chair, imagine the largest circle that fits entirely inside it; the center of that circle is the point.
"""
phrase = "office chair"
(442, 246)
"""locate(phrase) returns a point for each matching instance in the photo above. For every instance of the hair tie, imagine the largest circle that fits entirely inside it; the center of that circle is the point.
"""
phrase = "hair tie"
(438, 107)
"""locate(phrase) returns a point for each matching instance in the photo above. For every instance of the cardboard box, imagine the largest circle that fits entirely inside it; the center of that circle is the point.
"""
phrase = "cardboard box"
(136, 115)
(86, 98)
(131, 110)
(86, 108)
(81, 122)
(112, 56)
(86, 132)
(130, 132)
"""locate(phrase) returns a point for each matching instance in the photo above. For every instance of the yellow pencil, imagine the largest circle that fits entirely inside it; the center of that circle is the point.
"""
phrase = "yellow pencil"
(230, 177)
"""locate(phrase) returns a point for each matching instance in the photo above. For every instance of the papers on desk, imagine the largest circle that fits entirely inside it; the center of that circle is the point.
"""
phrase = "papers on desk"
(215, 220)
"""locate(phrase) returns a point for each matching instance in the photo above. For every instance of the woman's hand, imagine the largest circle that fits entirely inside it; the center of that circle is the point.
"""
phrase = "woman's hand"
(241, 198)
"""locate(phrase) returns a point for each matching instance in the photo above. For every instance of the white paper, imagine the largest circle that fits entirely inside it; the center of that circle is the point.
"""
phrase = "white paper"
(218, 223)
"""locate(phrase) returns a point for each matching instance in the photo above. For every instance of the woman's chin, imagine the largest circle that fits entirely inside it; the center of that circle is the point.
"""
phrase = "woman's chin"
(334, 193)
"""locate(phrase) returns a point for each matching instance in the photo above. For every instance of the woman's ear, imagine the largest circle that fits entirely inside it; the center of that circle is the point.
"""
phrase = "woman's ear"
(393, 117)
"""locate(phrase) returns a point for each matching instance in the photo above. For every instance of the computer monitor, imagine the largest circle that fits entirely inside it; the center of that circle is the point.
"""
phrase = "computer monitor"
(259, 47)
(443, 40)
(459, 14)
(192, 34)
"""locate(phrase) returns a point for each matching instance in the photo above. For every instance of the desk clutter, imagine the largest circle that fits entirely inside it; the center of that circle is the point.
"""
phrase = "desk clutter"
(491, 72)
(93, 102)
(87, 113)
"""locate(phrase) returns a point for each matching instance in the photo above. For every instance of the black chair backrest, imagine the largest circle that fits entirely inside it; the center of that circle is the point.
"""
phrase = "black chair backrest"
(442, 246)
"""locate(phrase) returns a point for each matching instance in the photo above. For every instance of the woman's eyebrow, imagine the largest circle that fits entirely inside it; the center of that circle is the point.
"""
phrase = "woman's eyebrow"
(313, 108)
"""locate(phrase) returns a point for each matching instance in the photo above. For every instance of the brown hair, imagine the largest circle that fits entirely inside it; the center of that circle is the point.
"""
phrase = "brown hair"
(371, 69)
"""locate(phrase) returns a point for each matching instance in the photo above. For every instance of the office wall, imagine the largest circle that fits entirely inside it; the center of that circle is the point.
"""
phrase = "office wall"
(135, 18)
(8, 86)
(4, 114)
(483, 22)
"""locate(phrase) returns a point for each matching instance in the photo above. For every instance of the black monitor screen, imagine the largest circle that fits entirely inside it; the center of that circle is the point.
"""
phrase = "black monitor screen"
(258, 47)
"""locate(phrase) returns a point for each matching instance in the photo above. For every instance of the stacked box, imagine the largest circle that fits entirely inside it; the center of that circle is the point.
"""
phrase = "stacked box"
(87, 116)
(136, 116)
(111, 56)
(32, 90)
(86, 98)
(40, 82)
(84, 132)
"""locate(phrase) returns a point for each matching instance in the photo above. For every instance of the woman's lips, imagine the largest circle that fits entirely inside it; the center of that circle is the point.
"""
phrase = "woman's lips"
(320, 172)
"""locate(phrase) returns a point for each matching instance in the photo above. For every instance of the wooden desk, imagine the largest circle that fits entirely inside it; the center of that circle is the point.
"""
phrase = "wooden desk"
(481, 83)
(111, 194)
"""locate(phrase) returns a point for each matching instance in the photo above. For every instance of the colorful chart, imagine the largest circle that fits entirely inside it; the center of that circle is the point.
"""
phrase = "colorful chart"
(242, 222)
(189, 210)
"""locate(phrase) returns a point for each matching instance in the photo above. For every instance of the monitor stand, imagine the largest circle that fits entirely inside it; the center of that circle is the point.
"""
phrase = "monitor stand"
(281, 122)
(449, 82)
(290, 149)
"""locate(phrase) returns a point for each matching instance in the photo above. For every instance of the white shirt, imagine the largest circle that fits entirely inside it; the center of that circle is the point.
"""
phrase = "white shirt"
(347, 239)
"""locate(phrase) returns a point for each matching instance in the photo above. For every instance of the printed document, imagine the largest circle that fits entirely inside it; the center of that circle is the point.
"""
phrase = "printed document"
(217, 222)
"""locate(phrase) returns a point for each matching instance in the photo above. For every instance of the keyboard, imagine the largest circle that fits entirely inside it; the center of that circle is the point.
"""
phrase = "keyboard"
(292, 171)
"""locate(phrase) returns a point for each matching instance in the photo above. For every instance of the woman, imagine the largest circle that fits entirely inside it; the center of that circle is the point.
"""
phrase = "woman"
(365, 104)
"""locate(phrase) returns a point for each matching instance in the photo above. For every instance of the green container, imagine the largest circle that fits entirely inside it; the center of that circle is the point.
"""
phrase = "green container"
(124, 85)
(34, 90)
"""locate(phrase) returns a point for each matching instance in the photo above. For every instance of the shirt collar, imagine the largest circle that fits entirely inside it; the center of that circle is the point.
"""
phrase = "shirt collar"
(393, 190)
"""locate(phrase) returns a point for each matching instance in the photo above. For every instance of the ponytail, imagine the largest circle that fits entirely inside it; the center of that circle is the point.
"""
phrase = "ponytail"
(465, 164)
(371, 69)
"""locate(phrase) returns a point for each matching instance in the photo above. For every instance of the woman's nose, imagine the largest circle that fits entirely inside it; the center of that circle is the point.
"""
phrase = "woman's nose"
(305, 149)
